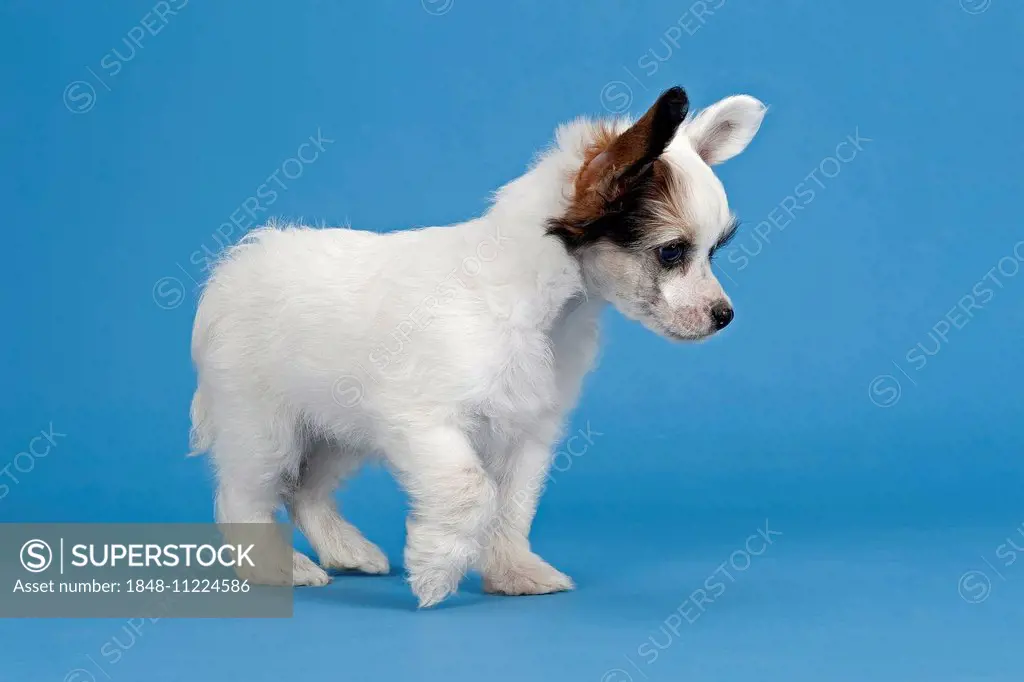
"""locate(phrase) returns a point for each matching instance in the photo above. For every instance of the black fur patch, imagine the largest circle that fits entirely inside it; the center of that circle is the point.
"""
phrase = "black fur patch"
(669, 112)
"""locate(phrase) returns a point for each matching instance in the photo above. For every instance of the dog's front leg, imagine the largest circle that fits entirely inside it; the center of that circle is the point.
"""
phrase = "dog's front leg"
(453, 503)
(508, 566)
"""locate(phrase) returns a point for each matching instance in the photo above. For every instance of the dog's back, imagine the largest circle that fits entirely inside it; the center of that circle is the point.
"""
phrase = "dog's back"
(331, 325)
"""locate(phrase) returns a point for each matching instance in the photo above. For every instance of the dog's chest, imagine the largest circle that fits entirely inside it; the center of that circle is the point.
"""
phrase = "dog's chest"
(521, 387)
(537, 373)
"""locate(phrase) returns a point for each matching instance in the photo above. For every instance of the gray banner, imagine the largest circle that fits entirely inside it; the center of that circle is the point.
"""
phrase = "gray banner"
(181, 570)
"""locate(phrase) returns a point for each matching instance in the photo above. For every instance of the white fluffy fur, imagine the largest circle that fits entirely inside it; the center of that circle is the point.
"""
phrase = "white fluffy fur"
(453, 353)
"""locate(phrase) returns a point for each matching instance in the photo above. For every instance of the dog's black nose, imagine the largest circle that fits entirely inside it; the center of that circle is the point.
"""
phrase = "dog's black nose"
(722, 314)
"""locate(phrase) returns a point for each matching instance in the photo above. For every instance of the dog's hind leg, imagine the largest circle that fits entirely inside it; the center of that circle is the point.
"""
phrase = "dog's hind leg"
(338, 543)
(254, 458)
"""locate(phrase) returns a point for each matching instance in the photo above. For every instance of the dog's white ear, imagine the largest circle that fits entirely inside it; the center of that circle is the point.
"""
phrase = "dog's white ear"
(724, 129)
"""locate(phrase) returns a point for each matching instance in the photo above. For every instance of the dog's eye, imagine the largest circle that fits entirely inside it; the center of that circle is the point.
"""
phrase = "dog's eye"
(671, 254)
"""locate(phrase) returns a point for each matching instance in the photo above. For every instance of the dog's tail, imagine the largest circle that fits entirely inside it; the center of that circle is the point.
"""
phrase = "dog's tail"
(201, 435)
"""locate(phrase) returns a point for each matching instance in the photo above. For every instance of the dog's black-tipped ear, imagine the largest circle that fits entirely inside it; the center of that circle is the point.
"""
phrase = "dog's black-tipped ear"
(647, 139)
(637, 147)
(615, 163)
(666, 115)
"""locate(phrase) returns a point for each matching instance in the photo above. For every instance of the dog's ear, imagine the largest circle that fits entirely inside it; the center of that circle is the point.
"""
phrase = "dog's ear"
(724, 129)
(608, 174)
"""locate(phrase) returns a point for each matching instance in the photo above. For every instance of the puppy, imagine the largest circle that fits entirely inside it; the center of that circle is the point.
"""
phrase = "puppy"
(454, 353)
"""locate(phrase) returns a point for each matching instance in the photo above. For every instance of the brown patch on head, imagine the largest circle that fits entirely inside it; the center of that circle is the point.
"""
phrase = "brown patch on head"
(616, 168)
(588, 198)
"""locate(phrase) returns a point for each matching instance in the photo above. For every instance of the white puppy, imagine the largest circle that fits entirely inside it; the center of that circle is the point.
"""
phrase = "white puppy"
(454, 353)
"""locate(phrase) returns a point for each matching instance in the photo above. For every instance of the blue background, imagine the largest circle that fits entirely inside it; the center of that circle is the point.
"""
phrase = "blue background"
(888, 480)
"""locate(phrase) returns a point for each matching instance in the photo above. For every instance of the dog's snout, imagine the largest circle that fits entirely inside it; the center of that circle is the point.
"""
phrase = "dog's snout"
(721, 314)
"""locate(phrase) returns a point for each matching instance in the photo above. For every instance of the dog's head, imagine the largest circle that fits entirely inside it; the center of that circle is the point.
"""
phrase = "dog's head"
(648, 213)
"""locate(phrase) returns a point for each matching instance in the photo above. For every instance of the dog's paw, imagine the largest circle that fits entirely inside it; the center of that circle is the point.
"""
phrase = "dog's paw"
(307, 573)
(357, 555)
(303, 572)
(433, 585)
(526, 575)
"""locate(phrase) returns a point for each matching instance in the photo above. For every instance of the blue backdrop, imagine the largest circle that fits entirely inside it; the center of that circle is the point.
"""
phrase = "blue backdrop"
(859, 420)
